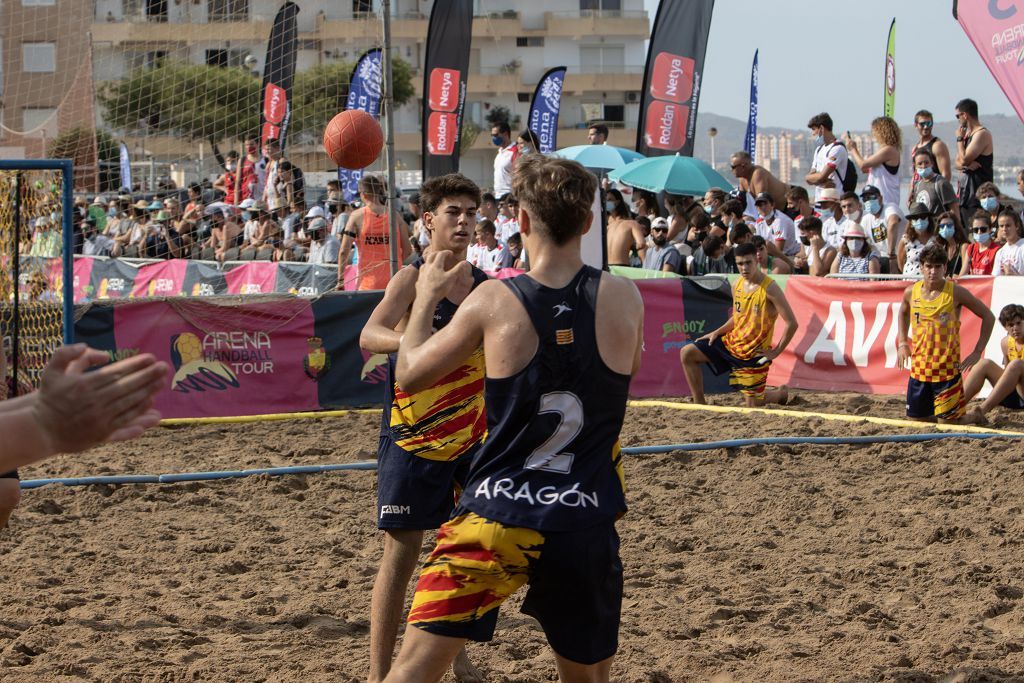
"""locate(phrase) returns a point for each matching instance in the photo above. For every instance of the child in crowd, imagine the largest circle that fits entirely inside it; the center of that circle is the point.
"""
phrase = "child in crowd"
(1007, 382)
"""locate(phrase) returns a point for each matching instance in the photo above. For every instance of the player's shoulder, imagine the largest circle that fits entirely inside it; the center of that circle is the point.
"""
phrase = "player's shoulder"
(622, 289)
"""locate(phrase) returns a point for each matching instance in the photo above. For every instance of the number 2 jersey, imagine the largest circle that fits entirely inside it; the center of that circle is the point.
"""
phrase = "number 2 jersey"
(446, 420)
(551, 460)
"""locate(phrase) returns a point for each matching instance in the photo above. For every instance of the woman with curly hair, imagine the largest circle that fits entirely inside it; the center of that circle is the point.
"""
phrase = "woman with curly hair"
(882, 167)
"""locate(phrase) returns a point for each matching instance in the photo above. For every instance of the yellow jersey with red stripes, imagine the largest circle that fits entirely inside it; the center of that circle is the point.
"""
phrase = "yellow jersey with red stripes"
(1014, 351)
(753, 319)
(446, 420)
(935, 336)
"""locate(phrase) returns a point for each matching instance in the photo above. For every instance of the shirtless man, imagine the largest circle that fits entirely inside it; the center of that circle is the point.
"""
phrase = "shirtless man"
(756, 179)
(625, 235)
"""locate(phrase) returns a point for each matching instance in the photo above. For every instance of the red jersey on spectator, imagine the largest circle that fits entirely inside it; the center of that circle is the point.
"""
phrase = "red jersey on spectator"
(982, 259)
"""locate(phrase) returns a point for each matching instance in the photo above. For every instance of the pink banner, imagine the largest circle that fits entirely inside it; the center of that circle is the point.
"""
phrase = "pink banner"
(244, 360)
(82, 284)
(995, 29)
(166, 278)
(660, 373)
(847, 335)
(258, 277)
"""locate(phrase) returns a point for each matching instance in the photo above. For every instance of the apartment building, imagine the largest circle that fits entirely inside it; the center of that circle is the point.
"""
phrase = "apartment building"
(602, 42)
(788, 155)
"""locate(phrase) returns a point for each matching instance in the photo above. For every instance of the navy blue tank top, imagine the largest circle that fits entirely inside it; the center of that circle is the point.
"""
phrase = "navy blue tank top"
(551, 459)
(446, 420)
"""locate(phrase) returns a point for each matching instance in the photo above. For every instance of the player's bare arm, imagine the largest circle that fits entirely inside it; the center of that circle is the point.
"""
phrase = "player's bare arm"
(423, 359)
(962, 297)
(383, 329)
(778, 299)
(903, 336)
(621, 344)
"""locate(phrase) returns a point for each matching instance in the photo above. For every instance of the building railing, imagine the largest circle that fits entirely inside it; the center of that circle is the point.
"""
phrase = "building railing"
(601, 14)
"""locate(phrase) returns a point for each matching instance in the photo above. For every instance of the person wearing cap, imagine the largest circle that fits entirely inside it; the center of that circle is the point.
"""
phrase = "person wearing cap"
(831, 213)
(98, 210)
(661, 255)
(250, 221)
(323, 246)
(94, 243)
(757, 180)
(775, 227)
(856, 255)
(919, 233)
(816, 255)
(46, 239)
(829, 167)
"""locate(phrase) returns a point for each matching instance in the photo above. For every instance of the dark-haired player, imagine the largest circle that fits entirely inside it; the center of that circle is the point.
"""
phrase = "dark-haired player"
(428, 436)
(1007, 382)
(931, 309)
(743, 345)
(544, 492)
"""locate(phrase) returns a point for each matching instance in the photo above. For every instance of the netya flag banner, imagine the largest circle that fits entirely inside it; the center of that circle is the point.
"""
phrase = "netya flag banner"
(672, 77)
(278, 73)
(444, 84)
(363, 94)
(890, 73)
(996, 28)
(750, 141)
(547, 101)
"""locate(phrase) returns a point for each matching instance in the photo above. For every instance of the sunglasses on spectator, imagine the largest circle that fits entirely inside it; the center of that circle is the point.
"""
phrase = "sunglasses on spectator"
(980, 231)
(945, 225)
(925, 124)
(659, 229)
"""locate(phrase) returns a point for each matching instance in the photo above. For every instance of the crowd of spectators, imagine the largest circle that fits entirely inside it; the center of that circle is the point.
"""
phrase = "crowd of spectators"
(851, 221)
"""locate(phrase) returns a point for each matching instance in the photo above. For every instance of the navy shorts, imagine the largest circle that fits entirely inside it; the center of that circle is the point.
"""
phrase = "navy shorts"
(13, 474)
(574, 577)
(942, 400)
(747, 376)
(1014, 401)
(414, 492)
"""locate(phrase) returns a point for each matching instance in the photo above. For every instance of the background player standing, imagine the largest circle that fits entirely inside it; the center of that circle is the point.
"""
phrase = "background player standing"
(931, 308)
(546, 488)
(429, 436)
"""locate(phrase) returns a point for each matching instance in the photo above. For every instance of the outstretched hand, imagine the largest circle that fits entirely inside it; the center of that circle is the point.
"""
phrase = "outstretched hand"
(77, 409)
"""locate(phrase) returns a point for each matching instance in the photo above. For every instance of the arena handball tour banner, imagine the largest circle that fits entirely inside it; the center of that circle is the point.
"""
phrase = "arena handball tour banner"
(278, 74)
(544, 108)
(364, 93)
(672, 77)
(444, 84)
(995, 30)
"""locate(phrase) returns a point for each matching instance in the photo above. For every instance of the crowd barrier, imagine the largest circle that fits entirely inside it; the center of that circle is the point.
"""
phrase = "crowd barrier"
(256, 356)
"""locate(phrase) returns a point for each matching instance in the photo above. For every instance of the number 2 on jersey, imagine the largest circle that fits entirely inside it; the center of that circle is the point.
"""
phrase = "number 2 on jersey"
(569, 409)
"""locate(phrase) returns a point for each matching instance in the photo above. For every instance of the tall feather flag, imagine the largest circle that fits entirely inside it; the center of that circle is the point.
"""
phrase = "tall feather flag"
(890, 73)
(364, 92)
(750, 141)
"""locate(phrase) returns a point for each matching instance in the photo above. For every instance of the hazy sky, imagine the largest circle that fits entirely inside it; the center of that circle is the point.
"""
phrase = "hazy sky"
(806, 68)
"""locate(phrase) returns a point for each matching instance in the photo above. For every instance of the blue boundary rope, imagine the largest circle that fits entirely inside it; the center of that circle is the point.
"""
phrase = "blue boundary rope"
(635, 450)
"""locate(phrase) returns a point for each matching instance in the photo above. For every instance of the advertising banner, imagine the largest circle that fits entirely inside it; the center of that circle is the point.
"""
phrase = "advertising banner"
(166, 278)
(125, 164)
(364, 93)
(110, 278)
(544, 108)
(996, 29)
(278, 74)
(889, 108)
(258, 277)
(848, 334)
(672, 78)
(444, 84)
(750, 139)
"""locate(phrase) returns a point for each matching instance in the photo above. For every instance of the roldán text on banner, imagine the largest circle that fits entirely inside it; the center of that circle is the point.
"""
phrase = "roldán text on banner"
(672, 78)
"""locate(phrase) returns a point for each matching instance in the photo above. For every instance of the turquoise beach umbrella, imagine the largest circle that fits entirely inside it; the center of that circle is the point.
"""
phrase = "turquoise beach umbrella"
(673, 174)
(599, 157)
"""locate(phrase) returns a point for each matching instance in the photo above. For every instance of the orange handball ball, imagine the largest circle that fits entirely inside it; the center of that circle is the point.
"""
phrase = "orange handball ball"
(353, 139)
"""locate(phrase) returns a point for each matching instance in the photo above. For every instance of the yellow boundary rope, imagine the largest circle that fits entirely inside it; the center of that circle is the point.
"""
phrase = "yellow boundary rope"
(273, 417)
(910, 424)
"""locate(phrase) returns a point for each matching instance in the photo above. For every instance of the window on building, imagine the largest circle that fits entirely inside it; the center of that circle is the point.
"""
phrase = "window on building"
(156, 10)
(601, 5)
(602, 59)
(132, 9)
(39, 119)
(362, 7)
(524, 97)
(228, 10)
(226, 57)
(39, 58)
(614, 113)
(38, 3)
(530, 41)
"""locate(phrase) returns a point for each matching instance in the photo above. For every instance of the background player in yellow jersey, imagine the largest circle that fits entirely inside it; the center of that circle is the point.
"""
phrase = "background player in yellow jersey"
(1007, 382)
(931, 309)
(429, 436)
(743, 345)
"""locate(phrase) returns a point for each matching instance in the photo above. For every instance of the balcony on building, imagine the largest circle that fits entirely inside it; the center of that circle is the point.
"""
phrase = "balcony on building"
(160, 21)
(596, 22)
(603, 78)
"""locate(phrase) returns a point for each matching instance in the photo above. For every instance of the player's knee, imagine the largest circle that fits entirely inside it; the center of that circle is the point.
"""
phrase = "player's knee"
(10, 495)
(1015, 367)
(402, 546)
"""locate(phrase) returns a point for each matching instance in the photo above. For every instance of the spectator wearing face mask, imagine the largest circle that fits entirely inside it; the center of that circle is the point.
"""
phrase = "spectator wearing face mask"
(528, 143)
(856, 254)
(712, 256)
(979, 255)
(798, 204)
(816, 256)
(831, 213)
(774, 226)
(919, 234)
(932, 189)
(991, 199)
(883, 222)
(829, 167)
(950, 236)
(323, 246)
